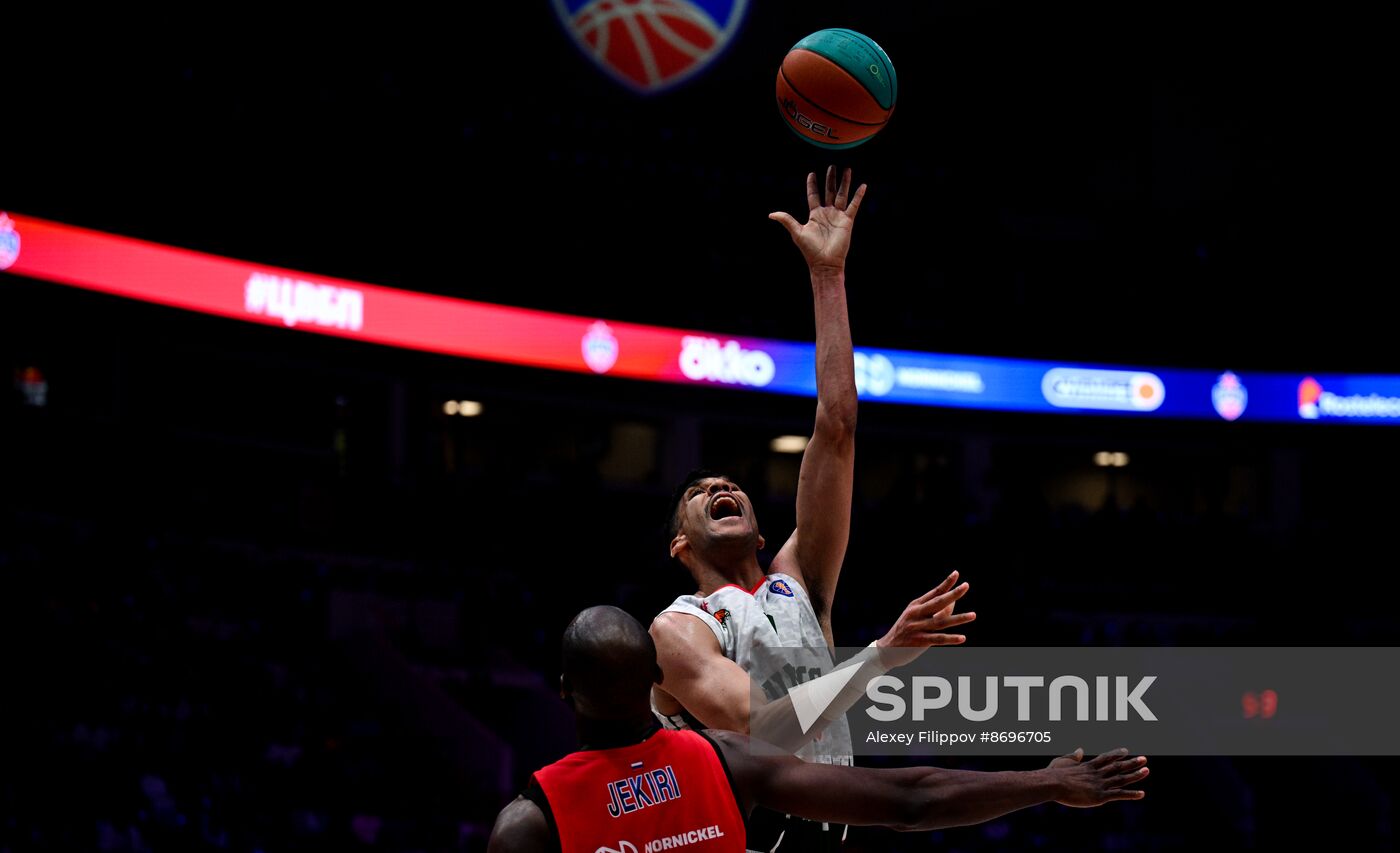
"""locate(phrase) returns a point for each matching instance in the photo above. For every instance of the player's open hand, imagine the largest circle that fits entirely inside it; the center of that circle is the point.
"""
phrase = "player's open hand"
(924, 623)
(826, 237)
(1102, 779)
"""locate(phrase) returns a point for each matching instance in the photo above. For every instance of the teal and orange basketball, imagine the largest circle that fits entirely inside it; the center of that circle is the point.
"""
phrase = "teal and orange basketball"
(836, 88)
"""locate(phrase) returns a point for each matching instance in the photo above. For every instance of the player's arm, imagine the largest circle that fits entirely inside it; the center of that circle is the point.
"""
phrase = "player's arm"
(719, 693)
(817, 548)
(713, 688)
(921, 798)
(520, 828)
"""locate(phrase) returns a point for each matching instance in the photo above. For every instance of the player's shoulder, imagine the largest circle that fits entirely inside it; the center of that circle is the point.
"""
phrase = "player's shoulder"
(521, 827)
(728, 746)
(682, 627)
(713, 610)
(736, 755)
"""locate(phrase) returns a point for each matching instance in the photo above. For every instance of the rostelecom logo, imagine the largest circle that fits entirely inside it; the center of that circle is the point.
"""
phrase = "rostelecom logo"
(1316, 402)
(1309, 392)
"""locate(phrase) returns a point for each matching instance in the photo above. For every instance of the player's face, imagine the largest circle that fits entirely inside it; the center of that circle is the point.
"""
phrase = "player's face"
(717, 510)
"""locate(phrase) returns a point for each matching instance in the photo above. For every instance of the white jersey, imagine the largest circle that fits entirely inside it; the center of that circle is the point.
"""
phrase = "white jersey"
(753, 627)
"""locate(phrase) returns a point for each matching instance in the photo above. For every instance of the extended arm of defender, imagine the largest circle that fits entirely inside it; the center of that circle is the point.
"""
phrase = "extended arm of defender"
(920, 798)
(818, 546)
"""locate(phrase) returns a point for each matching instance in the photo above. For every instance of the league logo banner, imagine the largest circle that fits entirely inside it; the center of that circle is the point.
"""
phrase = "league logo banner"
(651, 45)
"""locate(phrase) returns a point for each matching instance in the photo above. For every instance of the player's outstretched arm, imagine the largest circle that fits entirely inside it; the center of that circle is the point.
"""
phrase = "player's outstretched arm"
(520, 828)
(922, 798)
(817, 548)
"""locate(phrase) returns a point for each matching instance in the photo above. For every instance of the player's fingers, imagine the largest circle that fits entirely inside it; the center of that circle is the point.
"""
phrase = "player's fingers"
(1125, 795)
(939, 623)
(844, 193)
(814, 199)
(943, 605)
(1077, 755)
(943, 639)
(1127, 778)
(855, 202)
(938, 602)
(1113, 755)
(830, 197)
(1127, 765)
(943, 587)
(787, 222)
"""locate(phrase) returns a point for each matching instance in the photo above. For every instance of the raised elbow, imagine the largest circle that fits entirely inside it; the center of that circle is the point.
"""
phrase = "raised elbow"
(837, 421)
(724, 718)
(712, 718)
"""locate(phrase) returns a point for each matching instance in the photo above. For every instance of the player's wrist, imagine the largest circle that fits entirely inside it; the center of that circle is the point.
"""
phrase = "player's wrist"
(877, 656)
(884, 653)
(826, 273)
(1050, 783)
(871, 666)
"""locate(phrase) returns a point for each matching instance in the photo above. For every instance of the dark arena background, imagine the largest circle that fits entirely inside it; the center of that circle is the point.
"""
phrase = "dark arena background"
(265, 589)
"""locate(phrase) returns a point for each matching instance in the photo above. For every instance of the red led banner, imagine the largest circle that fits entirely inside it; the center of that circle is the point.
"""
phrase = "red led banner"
(263, 294)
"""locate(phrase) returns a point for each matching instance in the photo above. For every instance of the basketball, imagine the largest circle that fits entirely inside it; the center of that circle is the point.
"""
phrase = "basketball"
(836, 88)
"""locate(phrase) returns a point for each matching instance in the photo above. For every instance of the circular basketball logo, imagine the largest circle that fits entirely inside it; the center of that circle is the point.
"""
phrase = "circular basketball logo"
(599, 348)
(651, 45)
(1229, 396)
(9, 242)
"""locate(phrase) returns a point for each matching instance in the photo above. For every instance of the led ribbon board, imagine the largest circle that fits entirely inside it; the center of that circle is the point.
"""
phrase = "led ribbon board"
(195, 281)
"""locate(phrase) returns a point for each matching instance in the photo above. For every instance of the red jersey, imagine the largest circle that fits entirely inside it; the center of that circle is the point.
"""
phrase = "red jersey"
(668, 792)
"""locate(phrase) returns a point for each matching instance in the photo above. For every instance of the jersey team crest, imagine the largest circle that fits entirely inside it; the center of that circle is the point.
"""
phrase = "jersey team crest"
(781, 588)
(651, 45)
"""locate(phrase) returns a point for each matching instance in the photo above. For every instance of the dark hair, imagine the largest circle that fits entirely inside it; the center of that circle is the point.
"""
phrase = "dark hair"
(673, 523)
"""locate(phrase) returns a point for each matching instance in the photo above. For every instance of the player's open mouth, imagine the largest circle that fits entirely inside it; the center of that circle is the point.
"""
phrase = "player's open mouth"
(725, 506)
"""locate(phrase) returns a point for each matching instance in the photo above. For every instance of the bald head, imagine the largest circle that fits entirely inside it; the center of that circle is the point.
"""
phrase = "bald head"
(609, 664)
